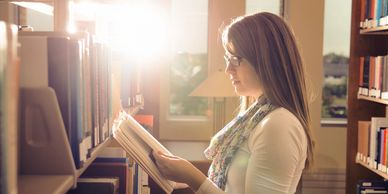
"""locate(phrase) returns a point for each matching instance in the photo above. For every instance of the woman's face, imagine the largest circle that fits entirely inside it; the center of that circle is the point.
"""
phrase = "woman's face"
(243, 76)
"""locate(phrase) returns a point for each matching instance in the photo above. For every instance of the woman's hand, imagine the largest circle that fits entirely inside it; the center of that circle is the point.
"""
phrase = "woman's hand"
(179, 170)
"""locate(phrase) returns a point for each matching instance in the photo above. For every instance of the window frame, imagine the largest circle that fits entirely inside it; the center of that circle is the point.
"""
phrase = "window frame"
(199, 129)
(333, 122)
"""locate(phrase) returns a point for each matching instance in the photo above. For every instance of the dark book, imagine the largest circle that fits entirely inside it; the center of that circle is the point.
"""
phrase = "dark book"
(96, 185)
(111, 169)
(384, 88)
(365, 77)
(368, 186)
(111, 160)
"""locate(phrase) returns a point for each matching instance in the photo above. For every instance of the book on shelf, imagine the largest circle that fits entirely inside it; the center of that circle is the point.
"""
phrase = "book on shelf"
(363, 140)
(139, 144)
(96, 185)
(366, 186)
(9, 97)
(112, 167)
(147, 121)
(378, 126)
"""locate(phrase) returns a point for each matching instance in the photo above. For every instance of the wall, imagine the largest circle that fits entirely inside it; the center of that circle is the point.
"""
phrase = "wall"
(330, 153)
(308, 28)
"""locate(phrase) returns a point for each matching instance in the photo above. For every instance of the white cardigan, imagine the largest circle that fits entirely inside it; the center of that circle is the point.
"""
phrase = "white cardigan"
(271, 161)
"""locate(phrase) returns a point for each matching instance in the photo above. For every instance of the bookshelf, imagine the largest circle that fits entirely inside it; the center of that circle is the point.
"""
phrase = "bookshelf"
(366, 42)
(372, 99)
(46, 162)
(378, 172)
(378, 30)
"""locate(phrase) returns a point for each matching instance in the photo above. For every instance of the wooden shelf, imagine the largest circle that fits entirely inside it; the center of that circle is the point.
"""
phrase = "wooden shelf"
(37, 184)
(374, 31)
(381, 101)
(380, 173)
(55, 184)
(93, 156)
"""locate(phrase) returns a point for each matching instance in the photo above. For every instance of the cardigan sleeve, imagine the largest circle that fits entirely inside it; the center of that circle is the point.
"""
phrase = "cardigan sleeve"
(208, 187)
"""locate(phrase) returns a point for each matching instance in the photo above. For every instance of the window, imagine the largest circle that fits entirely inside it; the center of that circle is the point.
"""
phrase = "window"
(335, 60)
(183, 116)
(196, 51)
(189, 64)
(254, 6)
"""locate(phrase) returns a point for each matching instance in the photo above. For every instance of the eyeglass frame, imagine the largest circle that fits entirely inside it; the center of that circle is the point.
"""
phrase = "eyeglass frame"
(232, 60)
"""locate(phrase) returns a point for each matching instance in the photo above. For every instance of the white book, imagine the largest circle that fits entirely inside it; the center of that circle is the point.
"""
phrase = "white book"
(372, 191)
(139, 143)
(34, 64)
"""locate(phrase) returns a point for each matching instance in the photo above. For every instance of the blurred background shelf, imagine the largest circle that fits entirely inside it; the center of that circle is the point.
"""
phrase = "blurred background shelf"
(39, 184)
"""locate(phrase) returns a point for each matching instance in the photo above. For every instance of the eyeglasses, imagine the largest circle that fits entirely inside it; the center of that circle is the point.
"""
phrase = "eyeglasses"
(232, 60)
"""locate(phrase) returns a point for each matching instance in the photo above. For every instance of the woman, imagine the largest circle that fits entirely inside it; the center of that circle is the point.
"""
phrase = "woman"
(266, 147)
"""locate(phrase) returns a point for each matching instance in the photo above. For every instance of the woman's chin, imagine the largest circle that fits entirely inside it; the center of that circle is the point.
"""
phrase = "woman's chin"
(238, 92)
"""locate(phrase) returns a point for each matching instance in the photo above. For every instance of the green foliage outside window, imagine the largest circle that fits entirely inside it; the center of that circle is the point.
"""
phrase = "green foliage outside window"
(187, 71)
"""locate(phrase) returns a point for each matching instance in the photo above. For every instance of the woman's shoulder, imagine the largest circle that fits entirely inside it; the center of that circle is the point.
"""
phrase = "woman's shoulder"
(280, 117)
(280, 122)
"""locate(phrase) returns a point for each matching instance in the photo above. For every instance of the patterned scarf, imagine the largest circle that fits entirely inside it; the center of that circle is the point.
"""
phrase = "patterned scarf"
(227, 141)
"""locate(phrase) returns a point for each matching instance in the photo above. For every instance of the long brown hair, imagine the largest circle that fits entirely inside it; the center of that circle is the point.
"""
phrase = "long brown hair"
(267, 43)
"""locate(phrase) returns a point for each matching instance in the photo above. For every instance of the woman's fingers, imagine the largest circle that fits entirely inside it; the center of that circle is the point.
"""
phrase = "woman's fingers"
(179, 185)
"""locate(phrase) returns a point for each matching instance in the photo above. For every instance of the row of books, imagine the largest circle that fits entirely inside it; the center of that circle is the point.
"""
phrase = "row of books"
(373, 78)
(372, 143)
(77, 67)
(9, 84)
(374, 13)
(372, 186)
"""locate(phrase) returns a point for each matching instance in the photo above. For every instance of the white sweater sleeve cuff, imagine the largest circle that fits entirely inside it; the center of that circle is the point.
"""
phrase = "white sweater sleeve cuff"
(208, 187)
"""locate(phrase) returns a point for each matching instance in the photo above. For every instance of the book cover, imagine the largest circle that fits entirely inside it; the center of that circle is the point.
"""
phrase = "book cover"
(363, 139)
(365, 77)
(96, 185)
(139, 144)
(384, 89)
(111, 168)
(372, 186)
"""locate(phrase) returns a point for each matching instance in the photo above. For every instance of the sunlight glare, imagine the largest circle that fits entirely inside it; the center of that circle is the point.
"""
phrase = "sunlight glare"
(139, 31)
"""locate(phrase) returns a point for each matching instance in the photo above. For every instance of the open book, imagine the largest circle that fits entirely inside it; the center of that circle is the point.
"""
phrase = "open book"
(138, 143)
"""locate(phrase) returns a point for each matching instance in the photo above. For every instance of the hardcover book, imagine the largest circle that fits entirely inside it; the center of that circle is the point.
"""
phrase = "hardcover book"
(97, 185)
